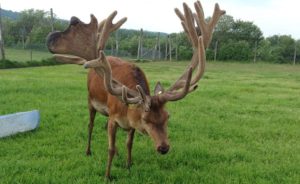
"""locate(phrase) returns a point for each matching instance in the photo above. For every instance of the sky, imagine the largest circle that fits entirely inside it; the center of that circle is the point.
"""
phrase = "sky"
(271, 16)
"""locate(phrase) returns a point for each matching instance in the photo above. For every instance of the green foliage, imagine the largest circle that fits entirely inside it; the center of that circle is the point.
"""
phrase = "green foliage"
(282, 48)
(30, 28)
(235, 50)
(236, 39)
(8, 14)
(240, 126)
(5, 64)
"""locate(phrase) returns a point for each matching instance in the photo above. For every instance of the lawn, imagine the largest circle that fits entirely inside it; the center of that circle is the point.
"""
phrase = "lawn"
(242, 125)
(25, 54)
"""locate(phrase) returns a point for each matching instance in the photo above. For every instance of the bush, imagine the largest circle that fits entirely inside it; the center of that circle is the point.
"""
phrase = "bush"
(4, 64)
(235, 50)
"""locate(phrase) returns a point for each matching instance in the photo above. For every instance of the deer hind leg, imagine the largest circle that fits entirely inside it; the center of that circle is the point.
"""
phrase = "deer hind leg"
(111, 130)
(129, 143)
(90, 129)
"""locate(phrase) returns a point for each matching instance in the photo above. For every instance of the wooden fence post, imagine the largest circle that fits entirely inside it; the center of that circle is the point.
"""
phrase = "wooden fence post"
(166, 50)
(52, 20)
(216, 50)
(117, 42)
(295, 53)
(140, 46)
(1, 37)
(255, 52)
(170, 48)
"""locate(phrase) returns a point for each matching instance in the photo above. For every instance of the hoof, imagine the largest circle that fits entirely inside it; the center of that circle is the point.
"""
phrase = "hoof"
(88, 153)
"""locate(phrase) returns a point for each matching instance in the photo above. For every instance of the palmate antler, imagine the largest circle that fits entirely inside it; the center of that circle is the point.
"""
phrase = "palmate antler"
(103, 68)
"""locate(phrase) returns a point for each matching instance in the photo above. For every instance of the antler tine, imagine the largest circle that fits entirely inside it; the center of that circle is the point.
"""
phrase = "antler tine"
(181, 17)
(207, 28)
(103, 68)
(187, 83)
(173, 96)
(216, 16)
(190, 25)
(201, 59)
(101, 25)
(187, 21)
(69, 59)
(107, 28)
(128, 100)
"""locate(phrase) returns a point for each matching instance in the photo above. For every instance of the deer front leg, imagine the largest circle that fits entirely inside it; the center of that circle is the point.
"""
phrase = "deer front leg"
(129, 143)
(91, 126)
(111, 130)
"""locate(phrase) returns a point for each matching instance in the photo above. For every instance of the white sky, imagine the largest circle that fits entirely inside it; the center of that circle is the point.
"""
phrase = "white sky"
(272, 16)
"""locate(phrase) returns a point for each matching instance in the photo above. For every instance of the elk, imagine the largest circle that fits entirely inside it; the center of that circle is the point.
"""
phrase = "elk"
(119, 89)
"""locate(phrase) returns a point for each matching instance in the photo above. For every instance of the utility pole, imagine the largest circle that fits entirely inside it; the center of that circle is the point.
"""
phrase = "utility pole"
(1, 37)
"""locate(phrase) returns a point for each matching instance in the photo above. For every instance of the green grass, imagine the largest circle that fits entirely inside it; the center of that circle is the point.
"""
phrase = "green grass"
(242, 125)
(24, 55)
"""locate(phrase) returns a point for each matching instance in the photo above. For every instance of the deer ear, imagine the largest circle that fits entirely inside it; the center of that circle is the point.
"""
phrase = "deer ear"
(158, 89)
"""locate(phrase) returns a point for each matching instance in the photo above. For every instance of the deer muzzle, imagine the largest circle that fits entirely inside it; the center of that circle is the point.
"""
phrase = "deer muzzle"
(163, 149)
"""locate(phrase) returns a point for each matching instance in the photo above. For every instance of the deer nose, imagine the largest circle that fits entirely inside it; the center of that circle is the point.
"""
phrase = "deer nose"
(51, 38)
(163, 149)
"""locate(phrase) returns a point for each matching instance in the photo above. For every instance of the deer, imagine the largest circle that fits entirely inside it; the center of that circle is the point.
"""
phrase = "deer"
(119, 89)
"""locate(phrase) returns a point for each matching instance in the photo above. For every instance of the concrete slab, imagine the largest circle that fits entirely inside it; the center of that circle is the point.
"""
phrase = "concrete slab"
(19, 122)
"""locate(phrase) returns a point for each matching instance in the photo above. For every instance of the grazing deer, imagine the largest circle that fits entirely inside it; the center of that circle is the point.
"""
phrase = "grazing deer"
(119, 89)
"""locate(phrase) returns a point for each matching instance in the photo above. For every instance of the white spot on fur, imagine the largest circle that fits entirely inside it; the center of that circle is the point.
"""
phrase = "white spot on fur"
(100, 107)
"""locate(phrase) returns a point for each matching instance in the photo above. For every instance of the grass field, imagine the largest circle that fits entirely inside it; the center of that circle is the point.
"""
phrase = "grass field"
(241, 126)
(24, 55)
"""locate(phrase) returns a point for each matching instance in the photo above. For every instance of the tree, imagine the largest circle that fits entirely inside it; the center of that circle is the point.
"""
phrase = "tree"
(235, 50)
(235, 34)
(281, 48)
(221, 33)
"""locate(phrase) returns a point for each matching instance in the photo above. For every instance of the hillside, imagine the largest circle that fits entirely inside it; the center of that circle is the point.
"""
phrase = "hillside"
(10, 14)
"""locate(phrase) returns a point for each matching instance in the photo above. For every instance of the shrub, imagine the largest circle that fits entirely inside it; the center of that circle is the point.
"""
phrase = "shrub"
(5, 64)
